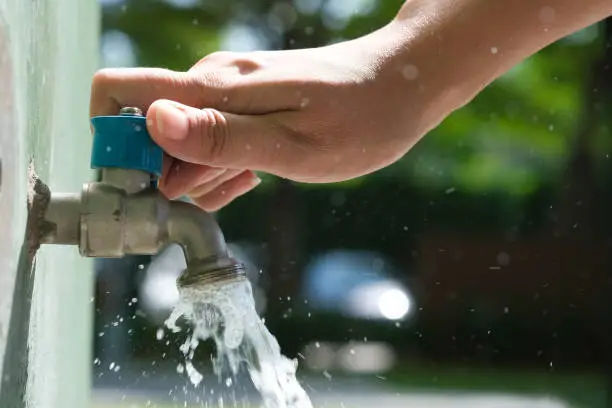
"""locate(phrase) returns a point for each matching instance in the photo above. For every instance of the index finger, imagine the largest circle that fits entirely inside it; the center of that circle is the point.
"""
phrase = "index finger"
(114, 88)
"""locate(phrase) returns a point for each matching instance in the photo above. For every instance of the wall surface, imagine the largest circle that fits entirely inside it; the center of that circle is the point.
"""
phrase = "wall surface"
(48, 53)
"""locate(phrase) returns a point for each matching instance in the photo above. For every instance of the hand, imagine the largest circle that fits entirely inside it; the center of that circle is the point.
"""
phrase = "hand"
(312, 115)
(336, 112)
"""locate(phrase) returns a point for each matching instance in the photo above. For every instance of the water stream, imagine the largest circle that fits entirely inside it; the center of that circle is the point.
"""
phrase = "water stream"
(226, 314)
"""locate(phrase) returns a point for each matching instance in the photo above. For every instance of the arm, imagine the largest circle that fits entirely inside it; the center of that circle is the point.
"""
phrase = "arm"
(467, 44)
(336, 112)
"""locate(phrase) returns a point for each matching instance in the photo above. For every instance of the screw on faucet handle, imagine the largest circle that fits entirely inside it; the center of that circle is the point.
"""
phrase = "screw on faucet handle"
(130, 111)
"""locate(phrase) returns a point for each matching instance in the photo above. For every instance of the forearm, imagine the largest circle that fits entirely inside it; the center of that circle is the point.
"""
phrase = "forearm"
(460, 46)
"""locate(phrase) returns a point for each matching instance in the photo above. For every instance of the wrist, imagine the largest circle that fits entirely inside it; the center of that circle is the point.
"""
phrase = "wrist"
(418, 75)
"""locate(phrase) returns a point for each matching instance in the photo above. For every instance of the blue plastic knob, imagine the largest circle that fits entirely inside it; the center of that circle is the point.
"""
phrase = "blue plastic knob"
(123, 142)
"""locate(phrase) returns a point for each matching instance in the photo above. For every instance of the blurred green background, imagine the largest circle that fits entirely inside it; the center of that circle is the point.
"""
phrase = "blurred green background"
(497, 224)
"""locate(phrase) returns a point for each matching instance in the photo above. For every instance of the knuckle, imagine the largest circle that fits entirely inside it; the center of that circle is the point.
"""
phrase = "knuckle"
(103, 81)
(220, 56)
(211, 87)
(243, 63)
(217, 57)
(213, 131)
(104, 76)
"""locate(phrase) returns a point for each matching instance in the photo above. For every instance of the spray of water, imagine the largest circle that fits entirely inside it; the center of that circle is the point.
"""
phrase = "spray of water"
(226, 314)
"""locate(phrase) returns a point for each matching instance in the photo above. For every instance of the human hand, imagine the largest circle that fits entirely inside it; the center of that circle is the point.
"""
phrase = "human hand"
(314, 115)
(332, 113)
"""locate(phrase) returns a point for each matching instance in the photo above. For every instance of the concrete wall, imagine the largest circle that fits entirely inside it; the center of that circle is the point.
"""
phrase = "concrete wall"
(48, 53)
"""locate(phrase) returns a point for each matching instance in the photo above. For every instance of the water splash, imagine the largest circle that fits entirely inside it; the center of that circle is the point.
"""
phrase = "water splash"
(226, 314)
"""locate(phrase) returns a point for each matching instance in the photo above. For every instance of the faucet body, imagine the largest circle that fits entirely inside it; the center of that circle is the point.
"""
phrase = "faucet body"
(125, 214)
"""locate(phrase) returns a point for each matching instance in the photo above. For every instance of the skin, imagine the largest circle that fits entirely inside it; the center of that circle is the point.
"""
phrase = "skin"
(337, 112)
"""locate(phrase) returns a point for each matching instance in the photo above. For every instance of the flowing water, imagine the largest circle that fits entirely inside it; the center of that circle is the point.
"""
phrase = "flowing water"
(226, 314)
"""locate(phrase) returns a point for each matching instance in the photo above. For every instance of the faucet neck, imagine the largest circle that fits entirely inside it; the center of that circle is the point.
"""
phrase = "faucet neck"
(130, 181)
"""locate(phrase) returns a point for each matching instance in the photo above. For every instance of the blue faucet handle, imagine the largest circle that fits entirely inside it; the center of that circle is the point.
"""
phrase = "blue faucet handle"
(123, 141)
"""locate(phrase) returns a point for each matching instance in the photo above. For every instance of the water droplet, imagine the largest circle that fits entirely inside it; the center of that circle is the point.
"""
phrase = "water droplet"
(111, 366)
(180, 368)
(108, 148)
(494, 50)
(450, 190)
(138, 128)
(228, 382)
(304, 102)
(551, 127)
(248, 146)
(410, 72)
(159, 334)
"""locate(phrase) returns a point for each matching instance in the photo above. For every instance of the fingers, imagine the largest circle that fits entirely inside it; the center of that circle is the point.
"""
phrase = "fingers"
(226, 192)
(226, 90)
(181, 177)
(220, 139)
(206, 188)
(113, 89)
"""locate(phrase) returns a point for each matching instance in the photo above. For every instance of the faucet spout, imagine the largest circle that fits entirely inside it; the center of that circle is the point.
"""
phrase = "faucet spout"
(196, 231)
(206, 253)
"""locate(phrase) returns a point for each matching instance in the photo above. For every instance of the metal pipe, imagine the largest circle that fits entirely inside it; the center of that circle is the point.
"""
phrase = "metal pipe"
(131, 181)
(62, 219)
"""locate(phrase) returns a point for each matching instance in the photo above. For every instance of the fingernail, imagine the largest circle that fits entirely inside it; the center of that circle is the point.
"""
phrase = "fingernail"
(255, 181)
(171, 122)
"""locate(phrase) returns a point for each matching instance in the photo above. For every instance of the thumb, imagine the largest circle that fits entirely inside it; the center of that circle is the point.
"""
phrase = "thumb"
(219, 139)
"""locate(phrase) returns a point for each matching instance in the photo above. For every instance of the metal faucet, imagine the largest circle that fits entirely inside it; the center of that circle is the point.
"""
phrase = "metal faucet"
(125, 213)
